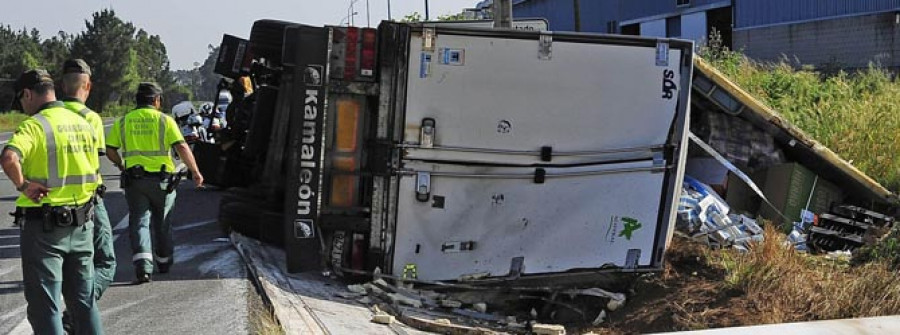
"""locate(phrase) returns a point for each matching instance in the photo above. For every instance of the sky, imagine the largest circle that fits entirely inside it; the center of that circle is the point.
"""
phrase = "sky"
(187, 27)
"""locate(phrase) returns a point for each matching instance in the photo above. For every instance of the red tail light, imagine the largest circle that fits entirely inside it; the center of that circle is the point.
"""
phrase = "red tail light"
(350, 57)
(367, 62)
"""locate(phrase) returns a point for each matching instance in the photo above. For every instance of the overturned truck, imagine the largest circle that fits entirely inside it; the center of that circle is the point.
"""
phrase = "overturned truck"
(440, 153)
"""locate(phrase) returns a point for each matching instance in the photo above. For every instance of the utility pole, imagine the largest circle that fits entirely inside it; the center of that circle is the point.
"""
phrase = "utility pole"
(426, 11)
(502, 13)
(389, 11)
(368, 21)
(577, 15)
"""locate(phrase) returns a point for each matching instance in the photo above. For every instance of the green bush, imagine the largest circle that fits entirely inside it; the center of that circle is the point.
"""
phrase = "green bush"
(116, 110)
(854, 114)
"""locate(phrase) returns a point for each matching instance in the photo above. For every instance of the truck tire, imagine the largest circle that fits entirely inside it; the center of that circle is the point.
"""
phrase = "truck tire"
(267, 40)
(337, 259)
(263, 116)
(240, 217)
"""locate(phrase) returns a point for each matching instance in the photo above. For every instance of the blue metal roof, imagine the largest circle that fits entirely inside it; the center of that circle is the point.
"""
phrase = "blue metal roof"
(595, 14)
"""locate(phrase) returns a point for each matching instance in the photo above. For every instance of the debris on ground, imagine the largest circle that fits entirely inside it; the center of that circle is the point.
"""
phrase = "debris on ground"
(448, 307)
(704, 215)
(848, 228)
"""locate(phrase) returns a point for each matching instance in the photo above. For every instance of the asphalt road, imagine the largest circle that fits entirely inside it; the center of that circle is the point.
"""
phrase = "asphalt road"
(206, 291)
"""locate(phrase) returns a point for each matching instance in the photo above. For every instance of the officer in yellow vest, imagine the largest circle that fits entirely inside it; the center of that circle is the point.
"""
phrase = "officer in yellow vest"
(76, 86)
(51, 159)
(143, 138)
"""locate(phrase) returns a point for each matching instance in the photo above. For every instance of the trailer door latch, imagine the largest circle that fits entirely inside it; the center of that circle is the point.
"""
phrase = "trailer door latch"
(423, 186)
(545, 46)
(426, 135)
(662, 53)
(428, 39)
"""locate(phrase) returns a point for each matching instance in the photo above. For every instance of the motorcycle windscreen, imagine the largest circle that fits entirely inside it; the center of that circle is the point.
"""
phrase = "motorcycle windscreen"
(486, 220)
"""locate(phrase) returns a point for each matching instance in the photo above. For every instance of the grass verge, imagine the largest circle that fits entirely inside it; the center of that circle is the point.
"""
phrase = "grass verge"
(854, 114)
(702, 288)
(262, 319)
(9, 121)
(788, 286)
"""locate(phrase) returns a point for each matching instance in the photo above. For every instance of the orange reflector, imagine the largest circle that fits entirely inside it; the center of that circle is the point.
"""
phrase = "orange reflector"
(342, 190)
(347, 164)
(347, 125)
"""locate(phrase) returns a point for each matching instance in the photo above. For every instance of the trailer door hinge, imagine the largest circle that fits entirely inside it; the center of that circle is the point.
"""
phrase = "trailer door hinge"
(632, 258)
(658, 160)
(662, 53)
(423, 186)
(428, 37)
(545, 46)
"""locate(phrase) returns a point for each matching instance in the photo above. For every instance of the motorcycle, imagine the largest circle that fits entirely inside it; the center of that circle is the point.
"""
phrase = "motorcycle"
(190, 122)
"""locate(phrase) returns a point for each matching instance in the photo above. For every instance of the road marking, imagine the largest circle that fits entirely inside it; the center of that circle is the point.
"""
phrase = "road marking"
(23, 328)
(194, 225)
(8, 270)
(9, 236)
(15, 246)
(122, 307)
(15, 312)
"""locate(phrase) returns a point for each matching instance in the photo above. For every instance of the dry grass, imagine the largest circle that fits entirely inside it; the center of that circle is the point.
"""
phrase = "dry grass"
(790, 286)
(262, 319)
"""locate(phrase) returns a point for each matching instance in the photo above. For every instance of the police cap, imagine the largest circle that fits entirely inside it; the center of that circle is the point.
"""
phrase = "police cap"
(28, 80)
(148, 90)
(77, 65)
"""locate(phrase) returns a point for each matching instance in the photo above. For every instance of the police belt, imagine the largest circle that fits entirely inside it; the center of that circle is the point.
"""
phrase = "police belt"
(62, 216)
(138, 172)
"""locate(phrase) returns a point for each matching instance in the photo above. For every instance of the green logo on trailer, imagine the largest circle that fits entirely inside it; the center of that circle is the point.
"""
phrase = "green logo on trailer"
(629, 226)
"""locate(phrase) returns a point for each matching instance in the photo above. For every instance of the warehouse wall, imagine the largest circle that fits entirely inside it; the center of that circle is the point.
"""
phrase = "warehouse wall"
(849, 42)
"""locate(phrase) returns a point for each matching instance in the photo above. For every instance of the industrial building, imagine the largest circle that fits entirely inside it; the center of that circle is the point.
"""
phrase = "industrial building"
(823, 33)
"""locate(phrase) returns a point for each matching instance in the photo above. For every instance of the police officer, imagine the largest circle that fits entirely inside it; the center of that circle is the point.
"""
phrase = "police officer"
(76, 86)
(142, 138)
(51, 159)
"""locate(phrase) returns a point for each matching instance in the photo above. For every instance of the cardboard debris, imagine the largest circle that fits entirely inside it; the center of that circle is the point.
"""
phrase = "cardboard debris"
(704, 215)
(451, 304)
(542, 329)
(383, 318)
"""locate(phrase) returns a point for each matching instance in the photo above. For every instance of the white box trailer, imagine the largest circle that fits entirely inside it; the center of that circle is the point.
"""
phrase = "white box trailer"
(446, 153)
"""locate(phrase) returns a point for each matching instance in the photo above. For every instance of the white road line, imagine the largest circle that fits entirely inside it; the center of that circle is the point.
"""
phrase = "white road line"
(116, 309)
(8, 270)
(23, 328)
(194, 225)
(15, 246)
(9, 236)
(18, 311)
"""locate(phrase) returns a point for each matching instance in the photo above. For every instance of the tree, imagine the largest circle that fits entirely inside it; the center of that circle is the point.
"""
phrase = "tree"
(20, 51)
(107, 46)
(414, 17)
(119, 54)
(55, 51)
(154, 65)
(209, 80)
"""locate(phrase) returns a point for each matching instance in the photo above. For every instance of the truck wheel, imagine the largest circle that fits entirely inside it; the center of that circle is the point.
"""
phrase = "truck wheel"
(240, 217)
(271, 227)
(261, 121)
(267, 40)
(340, 246)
